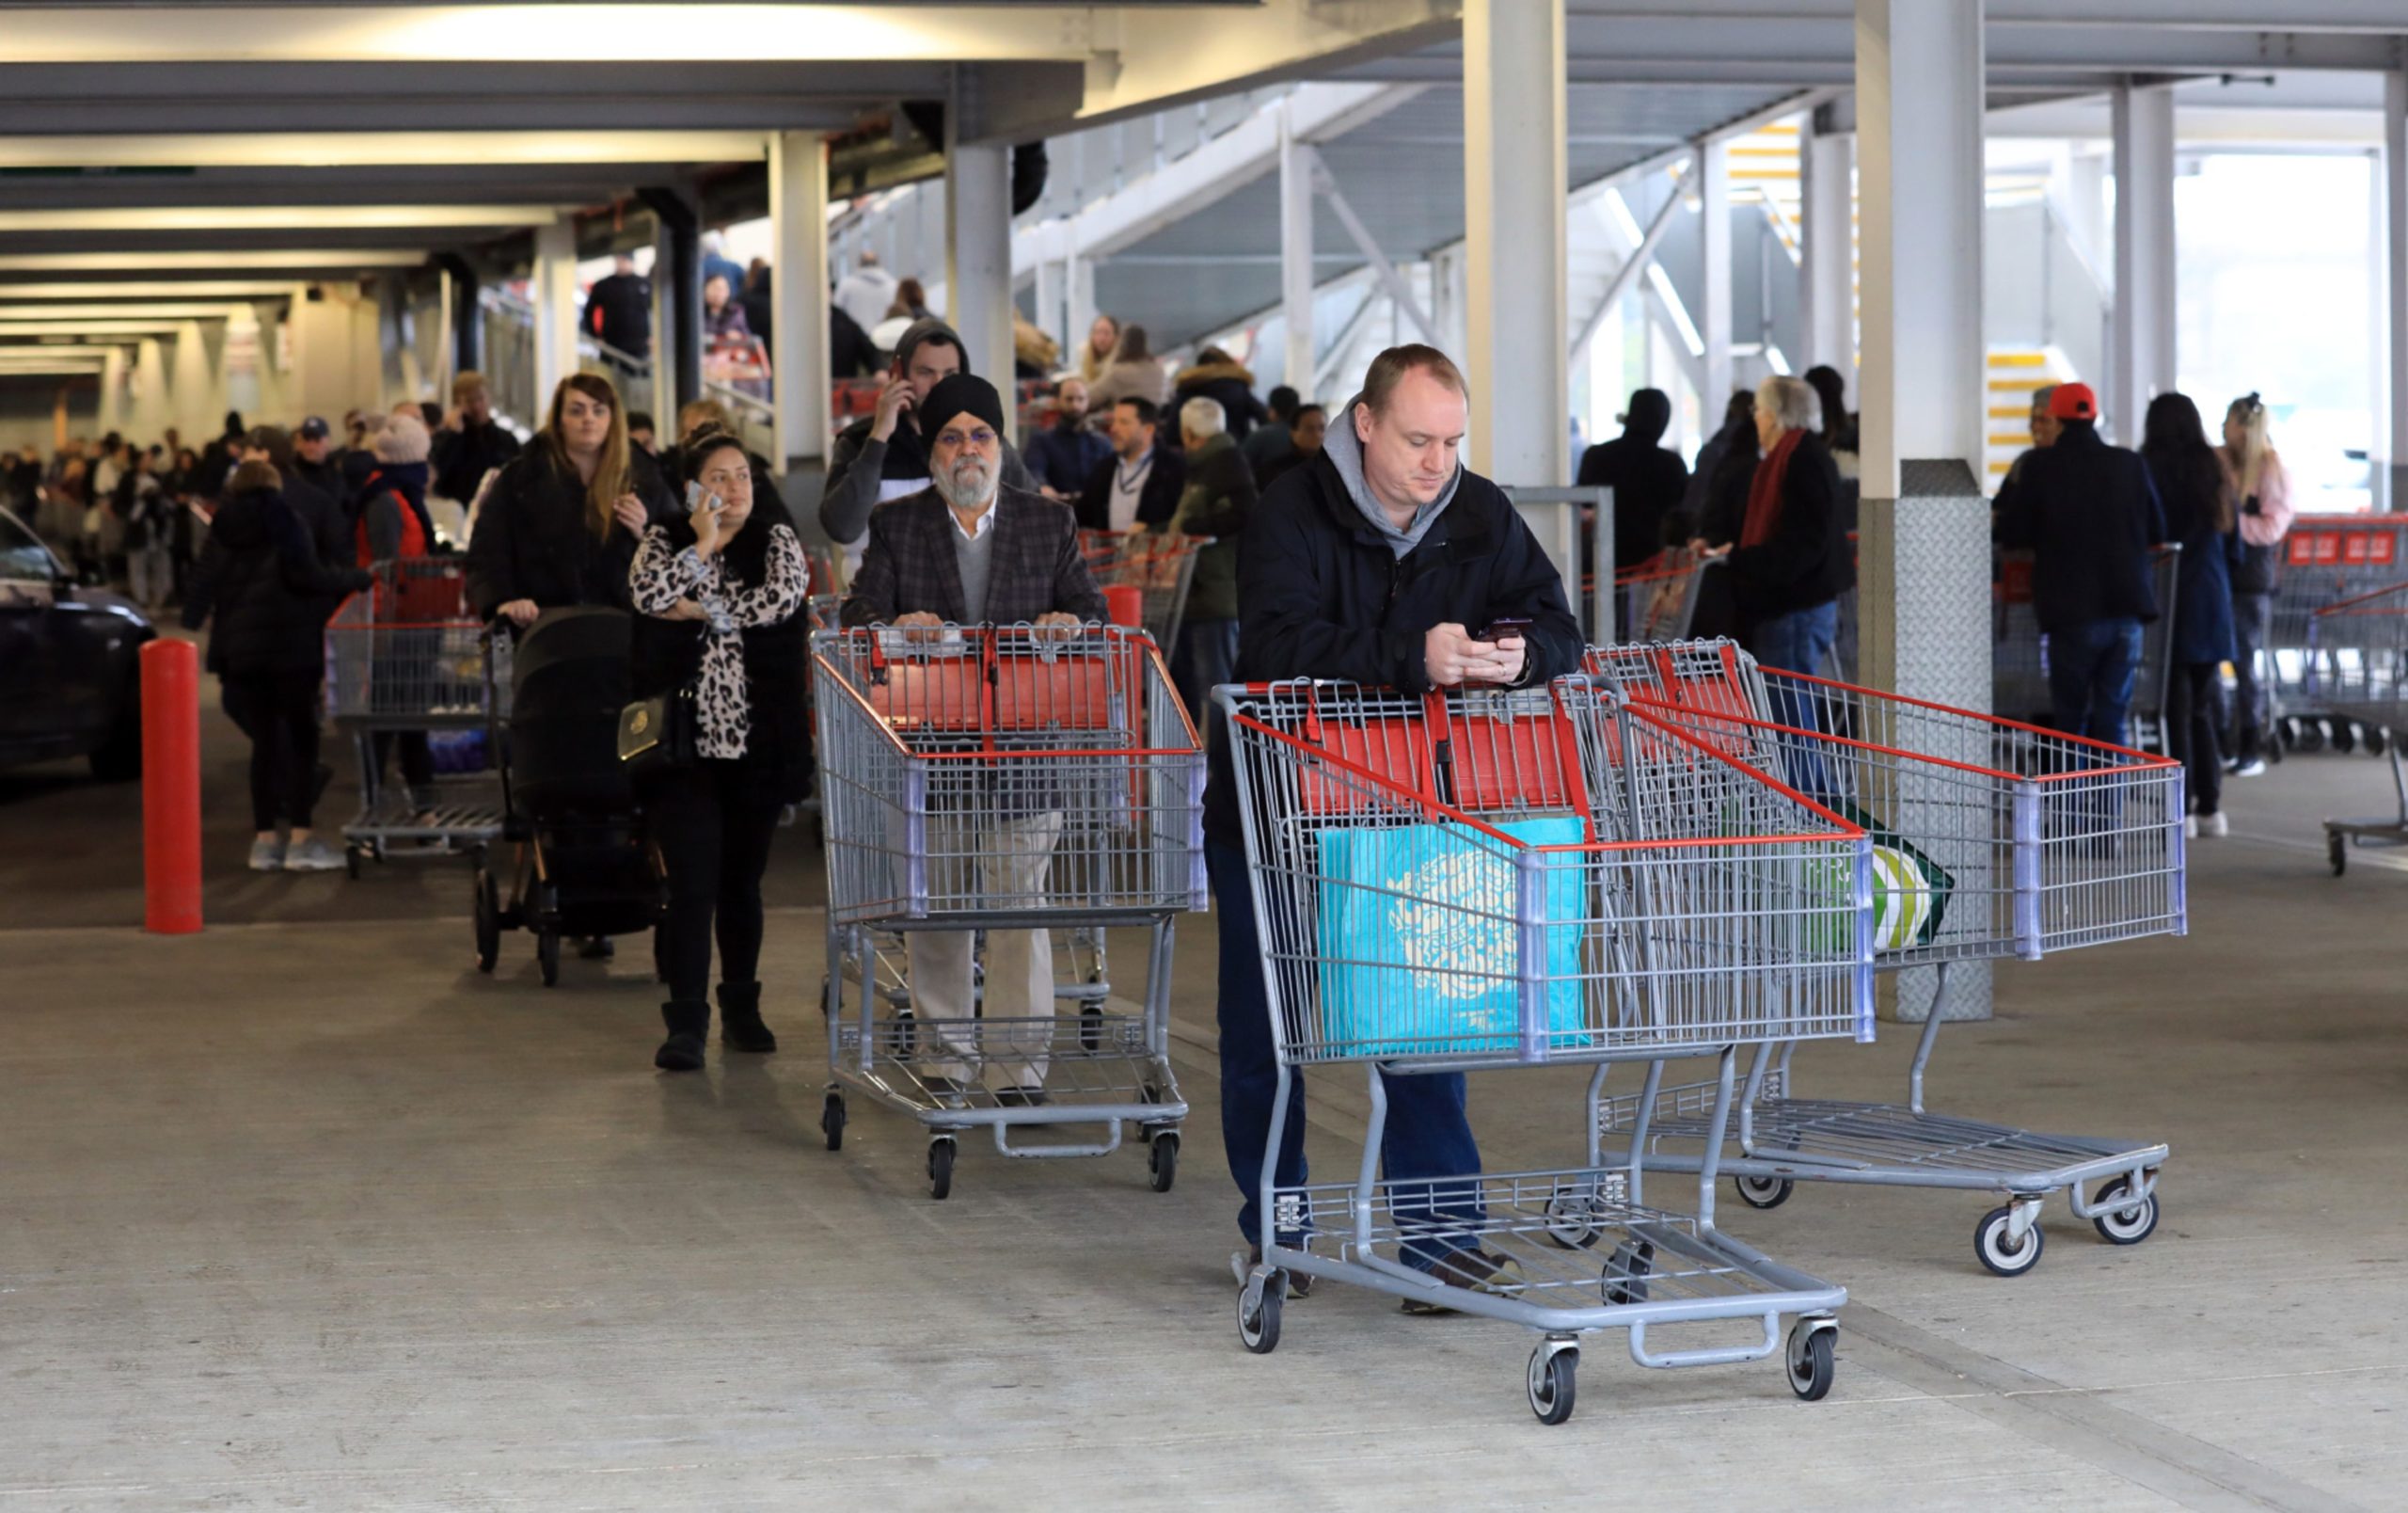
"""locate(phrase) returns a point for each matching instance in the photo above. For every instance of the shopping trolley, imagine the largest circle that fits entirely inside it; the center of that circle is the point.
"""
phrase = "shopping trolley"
(1993, 839)
(1497, 880)
(1658, 599)
(948, 755)
(2361, 645)
(1161, 566)
(2326, 561)
(2019, 649)
(407, 655)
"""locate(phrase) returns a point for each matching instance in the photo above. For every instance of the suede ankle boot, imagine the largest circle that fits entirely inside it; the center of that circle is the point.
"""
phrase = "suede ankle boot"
(739, 1018)
(688, 1021)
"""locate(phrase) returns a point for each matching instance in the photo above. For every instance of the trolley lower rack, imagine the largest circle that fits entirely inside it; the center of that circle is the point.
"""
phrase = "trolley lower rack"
(1094, 1067)
(465, 812)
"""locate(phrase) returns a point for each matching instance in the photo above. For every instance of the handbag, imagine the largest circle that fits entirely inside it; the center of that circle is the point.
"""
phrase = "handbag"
(658, 734)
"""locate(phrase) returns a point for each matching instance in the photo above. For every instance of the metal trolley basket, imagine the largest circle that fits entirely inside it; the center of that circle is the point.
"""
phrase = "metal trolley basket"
(944, 753)
(2360, 646)
(1696, 905)
(1996, 839)
(2327, 561)
(408, 654)
(1162, 567)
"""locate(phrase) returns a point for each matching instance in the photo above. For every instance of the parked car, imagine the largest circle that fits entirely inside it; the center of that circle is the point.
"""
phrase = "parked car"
(69, 669)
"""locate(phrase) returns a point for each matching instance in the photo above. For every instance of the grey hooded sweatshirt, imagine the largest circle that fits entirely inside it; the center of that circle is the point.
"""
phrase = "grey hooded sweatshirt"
(1345, 454)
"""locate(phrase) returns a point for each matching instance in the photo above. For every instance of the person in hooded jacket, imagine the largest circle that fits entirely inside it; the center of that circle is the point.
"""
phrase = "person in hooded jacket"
(260, 589)
(1380, 562)
(1647, 477)
(884, 455)
(1227, 382)
(719, 596)
(2197, 495)
(561, 522)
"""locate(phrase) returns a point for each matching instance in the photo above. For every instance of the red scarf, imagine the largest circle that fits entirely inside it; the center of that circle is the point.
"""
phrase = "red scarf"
(1764, 491)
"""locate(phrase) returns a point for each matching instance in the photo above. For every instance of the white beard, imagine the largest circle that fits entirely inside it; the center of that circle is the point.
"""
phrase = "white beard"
(968, 486)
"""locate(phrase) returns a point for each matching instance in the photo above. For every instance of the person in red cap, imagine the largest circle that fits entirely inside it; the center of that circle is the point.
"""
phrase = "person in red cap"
(2089, 513)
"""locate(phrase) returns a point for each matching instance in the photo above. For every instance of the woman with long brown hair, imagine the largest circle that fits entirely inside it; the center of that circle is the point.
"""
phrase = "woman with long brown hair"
(560, 523)
(2197, 496)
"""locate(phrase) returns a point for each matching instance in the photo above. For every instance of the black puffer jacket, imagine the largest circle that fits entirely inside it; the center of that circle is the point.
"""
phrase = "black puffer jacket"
(531, 541)
(261, 584)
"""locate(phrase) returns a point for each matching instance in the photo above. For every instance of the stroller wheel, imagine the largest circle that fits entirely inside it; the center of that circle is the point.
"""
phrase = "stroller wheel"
(488, 918)
(548, 955)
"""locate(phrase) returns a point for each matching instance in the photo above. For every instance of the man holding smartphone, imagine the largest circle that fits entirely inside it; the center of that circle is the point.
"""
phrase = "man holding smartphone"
(1381, 561)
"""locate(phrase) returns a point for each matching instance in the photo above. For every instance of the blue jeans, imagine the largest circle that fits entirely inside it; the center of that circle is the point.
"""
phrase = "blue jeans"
(1798, 641)
(2091, 666)
(1427, 1134)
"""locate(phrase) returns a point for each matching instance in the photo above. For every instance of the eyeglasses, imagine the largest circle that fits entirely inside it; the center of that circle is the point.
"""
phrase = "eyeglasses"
(981, 439)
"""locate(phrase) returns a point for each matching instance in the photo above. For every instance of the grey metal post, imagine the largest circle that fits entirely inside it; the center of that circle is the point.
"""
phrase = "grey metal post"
(680, 354)
(1515, 247)
(2144, 363)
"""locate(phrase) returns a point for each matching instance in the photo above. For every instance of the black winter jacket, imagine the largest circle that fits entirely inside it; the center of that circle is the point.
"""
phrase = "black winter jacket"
(261, 584)
(2090, 513)
(462, 457)
(1226, 383)
(665, 655)
(1808, 562)
(1321, 594)
(532, 540)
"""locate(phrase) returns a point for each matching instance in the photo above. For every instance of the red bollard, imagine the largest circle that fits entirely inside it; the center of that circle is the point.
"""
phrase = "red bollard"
(170, 787)
(1127, 606)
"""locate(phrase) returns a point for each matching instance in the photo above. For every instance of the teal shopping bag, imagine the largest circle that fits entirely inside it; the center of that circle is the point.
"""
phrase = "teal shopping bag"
(1424, 932)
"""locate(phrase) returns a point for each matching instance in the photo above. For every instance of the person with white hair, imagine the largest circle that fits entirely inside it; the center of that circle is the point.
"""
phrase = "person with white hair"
(1216, 503)
(1789, 561)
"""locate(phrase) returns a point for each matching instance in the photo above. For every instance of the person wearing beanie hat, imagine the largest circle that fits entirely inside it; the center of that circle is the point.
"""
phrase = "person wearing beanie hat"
(2089, 514)
(884, 455)
(263, 589)
(971, 548)
(321, 512)
(389, 522)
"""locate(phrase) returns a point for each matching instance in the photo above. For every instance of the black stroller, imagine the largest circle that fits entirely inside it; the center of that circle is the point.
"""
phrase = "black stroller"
(581, 864)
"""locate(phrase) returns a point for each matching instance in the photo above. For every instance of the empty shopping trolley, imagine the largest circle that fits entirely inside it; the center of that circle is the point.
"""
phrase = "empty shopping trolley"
(1160, 566)
(2360, 649)
(1990, 839)
(1014, 782)
(1499, 880)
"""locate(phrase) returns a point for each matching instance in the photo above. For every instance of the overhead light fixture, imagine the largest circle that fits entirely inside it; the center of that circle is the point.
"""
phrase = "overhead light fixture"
(273, 218)
(72, 314)
(226, 261)
(353, 150)
(101, 327)
(134, 290)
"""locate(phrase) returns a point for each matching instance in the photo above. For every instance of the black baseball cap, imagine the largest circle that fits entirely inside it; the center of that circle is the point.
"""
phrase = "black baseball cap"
(315, 429)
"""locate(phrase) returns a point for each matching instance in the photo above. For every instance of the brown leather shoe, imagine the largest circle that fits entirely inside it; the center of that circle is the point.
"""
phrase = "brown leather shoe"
(1474, 1270)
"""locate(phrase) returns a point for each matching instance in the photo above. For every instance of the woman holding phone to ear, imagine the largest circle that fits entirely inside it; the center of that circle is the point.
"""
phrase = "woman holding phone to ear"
(718, 594)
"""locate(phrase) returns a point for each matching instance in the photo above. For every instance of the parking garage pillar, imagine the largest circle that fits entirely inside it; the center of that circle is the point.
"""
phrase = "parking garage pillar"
(1828, 229)
(799, 299)
(555, 294)
(1714, 276)
(1300, 358)
(2390, 472)
(1924, 572)
(2142, 364)
(1516, 329)
(978, 252)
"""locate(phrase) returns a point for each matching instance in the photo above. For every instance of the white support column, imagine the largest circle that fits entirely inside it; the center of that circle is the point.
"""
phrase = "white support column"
(1296, 255)
(1049, 301)
(1714, 282)
(113, 407)
(2143, 362)
(798, 297)
(1923, 547)
(1828, 214)
(978, 254)
(2391, 428)
(555, 294)
(1078, 280)
(1514, 203)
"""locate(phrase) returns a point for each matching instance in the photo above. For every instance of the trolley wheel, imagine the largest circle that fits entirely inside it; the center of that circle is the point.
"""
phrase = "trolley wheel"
(2287, 732)
(2127, 1225)
(1259, 1313)
(2378, 739)
(1162, 1159)
(939, 1169)
(350, 862)
(1571, 1218)
(2273, 750)
(2311, 736)
(2345, 735)
(2336, 846)
(1989, 1243)
(1625, 1279)
(1090, 1028)
(1764, 1192)
(831, 1120)
(1814, 1357)
(1553, 1377)
(548, 955)
(488, 918)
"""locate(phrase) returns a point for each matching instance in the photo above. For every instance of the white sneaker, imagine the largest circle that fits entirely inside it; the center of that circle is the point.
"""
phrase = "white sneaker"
(2191, 826)
(2212, 824)
(2253, 767)
(313, 855)
(267, 856)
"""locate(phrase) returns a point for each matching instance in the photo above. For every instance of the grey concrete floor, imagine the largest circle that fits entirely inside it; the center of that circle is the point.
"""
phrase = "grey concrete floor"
(304, 1213)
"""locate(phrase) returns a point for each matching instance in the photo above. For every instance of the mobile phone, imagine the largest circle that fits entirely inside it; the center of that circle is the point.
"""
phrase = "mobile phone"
(1502, 627)
(697, 501)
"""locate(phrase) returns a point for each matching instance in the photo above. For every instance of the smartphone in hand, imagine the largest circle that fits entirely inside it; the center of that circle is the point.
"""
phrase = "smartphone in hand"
(1502, 628)
(697, 501)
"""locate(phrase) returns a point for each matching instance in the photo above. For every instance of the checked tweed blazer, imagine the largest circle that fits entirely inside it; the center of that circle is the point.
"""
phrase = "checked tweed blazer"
(909, 563)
